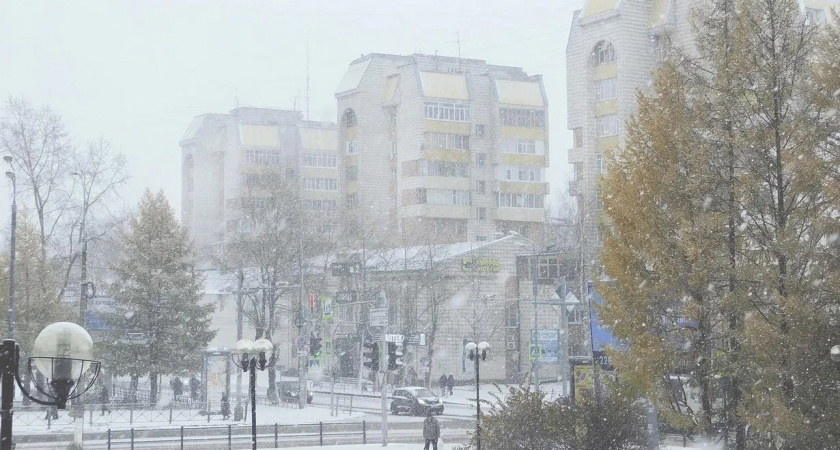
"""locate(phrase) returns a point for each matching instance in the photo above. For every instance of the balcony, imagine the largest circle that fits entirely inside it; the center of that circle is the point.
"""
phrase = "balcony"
(574, 188)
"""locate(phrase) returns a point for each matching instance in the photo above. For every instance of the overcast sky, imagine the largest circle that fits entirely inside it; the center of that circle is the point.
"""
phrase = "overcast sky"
(137, 72)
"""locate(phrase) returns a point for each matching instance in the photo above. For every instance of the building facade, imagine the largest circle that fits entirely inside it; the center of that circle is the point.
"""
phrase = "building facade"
(443, 149)
(220, 150)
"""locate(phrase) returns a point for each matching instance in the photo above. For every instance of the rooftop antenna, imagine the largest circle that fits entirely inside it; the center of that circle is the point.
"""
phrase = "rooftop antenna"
(307, 74)
(458, 39)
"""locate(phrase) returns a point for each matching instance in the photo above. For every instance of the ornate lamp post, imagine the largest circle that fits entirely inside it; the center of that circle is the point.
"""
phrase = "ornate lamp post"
(474, 353)
(11, 175)
(63, 353)
(251, 356)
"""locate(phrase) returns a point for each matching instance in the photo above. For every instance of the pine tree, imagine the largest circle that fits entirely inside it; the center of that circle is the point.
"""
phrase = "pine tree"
(158, 294)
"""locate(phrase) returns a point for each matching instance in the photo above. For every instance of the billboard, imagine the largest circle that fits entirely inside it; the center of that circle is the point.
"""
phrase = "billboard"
(547, 344)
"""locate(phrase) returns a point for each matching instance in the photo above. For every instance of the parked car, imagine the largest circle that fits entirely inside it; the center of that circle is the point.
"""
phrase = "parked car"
(415, 401)
(289, 390)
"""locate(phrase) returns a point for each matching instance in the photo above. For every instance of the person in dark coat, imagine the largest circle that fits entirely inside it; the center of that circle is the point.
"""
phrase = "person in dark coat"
(194, 385)
(104, 399)
(431, 431)
(450, 382)
(443, 383)
(177, 388)
(225, 406)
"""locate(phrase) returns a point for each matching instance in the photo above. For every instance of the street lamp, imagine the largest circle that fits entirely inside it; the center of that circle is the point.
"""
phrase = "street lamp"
(476, 353)
(62, 353)
(252, 356)
(11, 316)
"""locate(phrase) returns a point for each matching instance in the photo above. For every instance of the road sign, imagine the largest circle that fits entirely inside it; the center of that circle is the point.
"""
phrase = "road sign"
(534, 351)
(346, 296)
(303, 353)
(417, 339)
(378, 317)
(549, 343)
(327, 303)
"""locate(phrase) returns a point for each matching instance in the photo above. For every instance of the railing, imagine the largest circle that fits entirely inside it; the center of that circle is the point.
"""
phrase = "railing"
(39, 417)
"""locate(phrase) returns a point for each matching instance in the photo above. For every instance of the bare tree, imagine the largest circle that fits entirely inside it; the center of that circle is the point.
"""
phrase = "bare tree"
(97, 173)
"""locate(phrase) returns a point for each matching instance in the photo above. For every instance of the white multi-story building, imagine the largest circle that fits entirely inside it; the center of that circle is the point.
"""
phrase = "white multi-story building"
(443, 149)
(219, 150)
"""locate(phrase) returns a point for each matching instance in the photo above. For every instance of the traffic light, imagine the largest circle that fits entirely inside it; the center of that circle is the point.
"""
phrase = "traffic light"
(315, 346)
(395, 356)
(371, 355)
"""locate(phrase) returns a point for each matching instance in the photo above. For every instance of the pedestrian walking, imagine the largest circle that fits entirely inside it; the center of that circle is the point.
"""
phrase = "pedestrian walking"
(177, 388)
(194, 385)
(225, 406)
(450, 382)
(443, 383)
(104, 399)
(52, 411)
(431, 431)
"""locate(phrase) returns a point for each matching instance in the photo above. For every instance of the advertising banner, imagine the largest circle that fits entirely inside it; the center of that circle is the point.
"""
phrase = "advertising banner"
(548, 344)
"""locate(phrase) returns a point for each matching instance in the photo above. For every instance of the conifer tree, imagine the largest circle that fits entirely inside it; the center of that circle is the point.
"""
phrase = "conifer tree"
(158, 294)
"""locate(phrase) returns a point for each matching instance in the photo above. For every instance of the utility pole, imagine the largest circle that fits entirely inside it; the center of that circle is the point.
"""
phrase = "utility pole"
(383, 368)
(536, 333)
(240, 281)
(79, 428)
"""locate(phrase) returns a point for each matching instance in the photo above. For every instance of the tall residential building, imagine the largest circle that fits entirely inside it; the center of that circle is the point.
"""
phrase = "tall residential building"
(442, 149)
(613, 49)
(219, 150)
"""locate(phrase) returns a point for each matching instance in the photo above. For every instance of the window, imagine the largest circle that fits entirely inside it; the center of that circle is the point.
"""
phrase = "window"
(604, 53)
(606, 89)
(352, 173)
(447, 140)
(578, 132)
(578, 173)
(352, 147)
(461, 228)
(523, 146)
(348, 119)
(521, 173)
(512, 315)
(393, 119)
(599, 202)
(482, 213)
(576, 315)
(352, 200)
(516, 117)
(600, 163)
(480, 159)
(457, 112)
(480, 187)
(444, 168)
(320, 184)
(814, 16)
(447, 197)
(320, 205)
(606, 125)
(479, 131)
(510, 200)
(320, 160)
(265, 157)
(393, 149)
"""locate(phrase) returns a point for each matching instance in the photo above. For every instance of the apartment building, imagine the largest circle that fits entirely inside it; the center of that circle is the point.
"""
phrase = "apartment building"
(442, 149)
(614, 46)
(220, 150)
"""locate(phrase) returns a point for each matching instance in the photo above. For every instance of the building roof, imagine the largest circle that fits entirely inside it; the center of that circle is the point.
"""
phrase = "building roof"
(659, 11)
(593, 7)
(318, 139)
(444, 85)
(259, 135)
(353, 76)
(520, 93)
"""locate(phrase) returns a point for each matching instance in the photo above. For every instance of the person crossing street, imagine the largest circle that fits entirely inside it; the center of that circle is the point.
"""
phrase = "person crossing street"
(431, 431)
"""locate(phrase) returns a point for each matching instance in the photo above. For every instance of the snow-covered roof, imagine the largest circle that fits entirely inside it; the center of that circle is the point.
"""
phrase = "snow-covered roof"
(421, 257)
(520, 93)
(352, 77)
(444, 85)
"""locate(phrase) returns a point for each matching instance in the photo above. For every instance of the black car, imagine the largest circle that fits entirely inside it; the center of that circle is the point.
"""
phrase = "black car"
(415, 401)
(288, 391)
